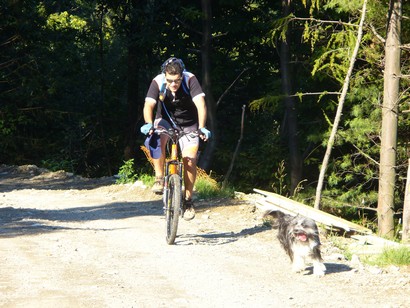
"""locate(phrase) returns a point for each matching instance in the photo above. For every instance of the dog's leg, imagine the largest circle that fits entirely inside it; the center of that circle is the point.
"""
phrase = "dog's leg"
(298, 264)
(319, 268)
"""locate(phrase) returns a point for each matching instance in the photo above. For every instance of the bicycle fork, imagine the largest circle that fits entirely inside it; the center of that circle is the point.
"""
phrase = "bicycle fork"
(173, 166)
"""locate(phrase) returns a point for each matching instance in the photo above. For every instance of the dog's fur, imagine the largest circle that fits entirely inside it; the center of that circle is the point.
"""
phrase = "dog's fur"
(299, 237)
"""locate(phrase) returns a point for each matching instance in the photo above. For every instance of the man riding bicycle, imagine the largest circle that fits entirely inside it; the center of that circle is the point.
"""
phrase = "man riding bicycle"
(180, 104)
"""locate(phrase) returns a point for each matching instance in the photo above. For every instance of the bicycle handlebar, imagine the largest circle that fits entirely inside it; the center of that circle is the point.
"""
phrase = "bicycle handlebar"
(175, 134)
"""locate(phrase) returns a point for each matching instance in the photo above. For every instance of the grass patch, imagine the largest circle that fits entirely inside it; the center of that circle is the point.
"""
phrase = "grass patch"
(128, 175)
(390, 256)
(207, 189)
(338, 242)
(204, 188)
(147, 180)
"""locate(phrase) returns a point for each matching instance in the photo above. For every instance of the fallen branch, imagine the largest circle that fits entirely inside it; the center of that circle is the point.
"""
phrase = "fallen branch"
(321, 21)
(314, 93)
(235, 154)
(230, 86)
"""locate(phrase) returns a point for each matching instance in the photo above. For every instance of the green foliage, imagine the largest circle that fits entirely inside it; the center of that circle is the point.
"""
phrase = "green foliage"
(338, 242)
(279, 29)
(147, 179)
(127, 173)
(390, 256)
(352, 176)
(57, 164)
(280, 175)
(341, 6)
(63, 20)
(260, 150)
(206, 189)
(334, 57)
(266, 103)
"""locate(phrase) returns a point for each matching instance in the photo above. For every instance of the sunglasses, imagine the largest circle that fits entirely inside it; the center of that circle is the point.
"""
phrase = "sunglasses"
(177, 80)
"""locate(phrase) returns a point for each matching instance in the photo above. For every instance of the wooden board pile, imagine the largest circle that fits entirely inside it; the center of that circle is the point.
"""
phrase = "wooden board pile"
(367, 243)
(269, 200)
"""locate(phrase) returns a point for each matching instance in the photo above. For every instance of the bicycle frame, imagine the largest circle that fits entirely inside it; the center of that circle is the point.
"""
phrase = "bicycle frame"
(172, 194)
(173, 165)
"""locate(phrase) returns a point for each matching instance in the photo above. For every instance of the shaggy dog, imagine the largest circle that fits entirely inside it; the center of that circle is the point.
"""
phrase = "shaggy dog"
(299, 236)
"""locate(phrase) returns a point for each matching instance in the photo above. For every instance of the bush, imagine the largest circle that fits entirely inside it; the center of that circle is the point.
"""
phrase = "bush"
(127, 173)
(208, 189)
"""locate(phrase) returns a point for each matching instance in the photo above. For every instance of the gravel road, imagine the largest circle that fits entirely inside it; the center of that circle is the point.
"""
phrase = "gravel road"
(67, 241)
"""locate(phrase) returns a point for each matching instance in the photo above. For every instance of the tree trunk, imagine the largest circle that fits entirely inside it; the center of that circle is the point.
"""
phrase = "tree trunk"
(206, 157)
(102, 88)
(290, 119)
(338, 115)
(387, 174)
(406, 209)
(132, 101)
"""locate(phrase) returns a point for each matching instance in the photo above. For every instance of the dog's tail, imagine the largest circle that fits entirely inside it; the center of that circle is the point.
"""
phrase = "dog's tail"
(274, 214)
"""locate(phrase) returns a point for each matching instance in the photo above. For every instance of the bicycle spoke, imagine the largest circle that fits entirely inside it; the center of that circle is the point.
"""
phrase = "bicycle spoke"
(173, 207)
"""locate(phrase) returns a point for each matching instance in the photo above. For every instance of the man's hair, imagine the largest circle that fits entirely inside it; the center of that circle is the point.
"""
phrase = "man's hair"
(173, 66)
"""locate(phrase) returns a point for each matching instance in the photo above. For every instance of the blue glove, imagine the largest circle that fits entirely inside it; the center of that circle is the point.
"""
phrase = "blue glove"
(146, 128)
(205, 132)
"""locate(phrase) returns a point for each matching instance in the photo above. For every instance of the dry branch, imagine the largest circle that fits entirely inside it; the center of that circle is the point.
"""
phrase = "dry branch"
(406, 209)
(321, 21)
(339, 110)
(235, 154)
(315, 93)
(230, 86)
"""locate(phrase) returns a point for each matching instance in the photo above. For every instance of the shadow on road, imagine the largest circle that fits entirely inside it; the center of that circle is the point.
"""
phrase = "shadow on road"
(23, 221)
(214, 238)
(32, 177)
(333, 268)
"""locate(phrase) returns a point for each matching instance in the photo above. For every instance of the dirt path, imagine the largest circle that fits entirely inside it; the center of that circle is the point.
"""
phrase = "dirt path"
(71, 242)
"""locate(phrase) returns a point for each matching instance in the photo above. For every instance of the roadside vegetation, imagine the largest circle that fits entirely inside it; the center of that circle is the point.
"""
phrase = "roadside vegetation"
(205, 186)
(398, 256)
(390, 256)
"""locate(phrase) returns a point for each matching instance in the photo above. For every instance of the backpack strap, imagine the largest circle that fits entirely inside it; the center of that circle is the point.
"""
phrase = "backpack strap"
(163, 92)
(161, 97)
(185, 84)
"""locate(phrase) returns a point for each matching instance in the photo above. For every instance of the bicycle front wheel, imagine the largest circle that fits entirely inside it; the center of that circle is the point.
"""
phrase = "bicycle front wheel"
(173, 207)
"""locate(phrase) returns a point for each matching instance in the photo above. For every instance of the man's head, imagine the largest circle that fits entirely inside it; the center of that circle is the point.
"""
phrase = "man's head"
(173, 68)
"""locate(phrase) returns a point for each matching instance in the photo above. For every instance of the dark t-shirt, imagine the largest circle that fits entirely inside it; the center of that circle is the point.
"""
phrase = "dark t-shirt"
(180, 108)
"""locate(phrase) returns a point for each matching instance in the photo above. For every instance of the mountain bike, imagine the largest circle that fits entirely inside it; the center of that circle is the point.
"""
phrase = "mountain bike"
(172, 194)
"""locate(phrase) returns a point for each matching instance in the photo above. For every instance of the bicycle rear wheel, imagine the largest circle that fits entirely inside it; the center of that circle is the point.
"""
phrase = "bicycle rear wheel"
(173, 207)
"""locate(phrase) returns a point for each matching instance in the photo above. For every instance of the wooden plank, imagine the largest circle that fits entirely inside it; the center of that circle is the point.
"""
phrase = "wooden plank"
(358, 249)
(330, 223)
(296, 209)
(288, 205)
(266, 205)
(375, 240)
